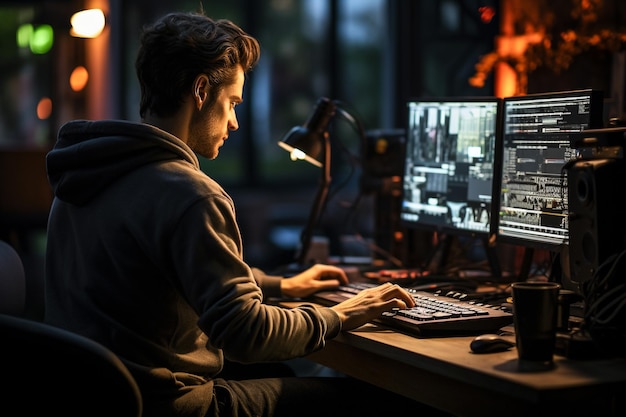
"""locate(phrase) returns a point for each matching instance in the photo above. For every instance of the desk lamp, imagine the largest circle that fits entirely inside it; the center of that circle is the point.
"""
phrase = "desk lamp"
(311, 142)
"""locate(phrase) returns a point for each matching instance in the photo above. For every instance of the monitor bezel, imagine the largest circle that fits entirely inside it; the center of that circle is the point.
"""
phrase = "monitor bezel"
(446, 229)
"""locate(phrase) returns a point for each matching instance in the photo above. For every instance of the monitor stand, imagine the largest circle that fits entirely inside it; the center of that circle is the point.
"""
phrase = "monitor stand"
(438, 258)
(556, 271)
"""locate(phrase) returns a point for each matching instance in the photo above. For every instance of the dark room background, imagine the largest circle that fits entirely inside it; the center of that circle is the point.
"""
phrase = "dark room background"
(370, 54)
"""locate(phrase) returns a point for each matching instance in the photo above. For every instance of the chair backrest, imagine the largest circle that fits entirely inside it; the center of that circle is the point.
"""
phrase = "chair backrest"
(51, 371)
(12, 281)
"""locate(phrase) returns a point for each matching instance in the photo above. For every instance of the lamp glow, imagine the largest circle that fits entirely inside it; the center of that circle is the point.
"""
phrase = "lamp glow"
(298, 155)
(87, 23)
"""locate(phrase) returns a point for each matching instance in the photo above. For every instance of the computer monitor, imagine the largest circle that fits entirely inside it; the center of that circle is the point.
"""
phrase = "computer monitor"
(447, 182)
(449, 165)
(533, 206)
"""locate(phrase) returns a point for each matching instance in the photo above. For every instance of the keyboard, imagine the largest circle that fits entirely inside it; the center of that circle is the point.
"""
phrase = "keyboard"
(434, 315)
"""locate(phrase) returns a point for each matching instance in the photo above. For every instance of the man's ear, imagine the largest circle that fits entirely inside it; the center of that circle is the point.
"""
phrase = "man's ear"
(200, 90)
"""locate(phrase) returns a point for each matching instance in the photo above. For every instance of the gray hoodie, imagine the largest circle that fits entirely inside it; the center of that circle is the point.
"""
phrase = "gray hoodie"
(144, 255)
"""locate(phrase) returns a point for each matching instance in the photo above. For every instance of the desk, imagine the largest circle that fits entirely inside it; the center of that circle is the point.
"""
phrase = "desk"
(444, 373)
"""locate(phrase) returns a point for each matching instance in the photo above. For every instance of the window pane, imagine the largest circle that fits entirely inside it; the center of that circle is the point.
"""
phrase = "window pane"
(26, 48)
(291, 77)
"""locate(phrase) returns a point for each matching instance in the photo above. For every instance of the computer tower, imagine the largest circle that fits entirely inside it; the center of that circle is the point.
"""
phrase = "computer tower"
(597, 225)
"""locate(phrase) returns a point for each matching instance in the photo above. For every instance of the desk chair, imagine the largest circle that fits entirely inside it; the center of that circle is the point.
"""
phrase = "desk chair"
(49, 371)
(12, 281)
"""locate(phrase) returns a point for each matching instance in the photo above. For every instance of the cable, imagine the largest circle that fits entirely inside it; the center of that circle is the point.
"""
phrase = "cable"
(605, 305)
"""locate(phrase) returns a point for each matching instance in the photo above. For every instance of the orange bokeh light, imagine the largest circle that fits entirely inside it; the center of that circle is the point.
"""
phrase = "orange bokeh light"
(79, 78)
(44, 108)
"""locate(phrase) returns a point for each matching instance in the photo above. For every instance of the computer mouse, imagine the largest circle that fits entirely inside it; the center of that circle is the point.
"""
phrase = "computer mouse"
(488, 343)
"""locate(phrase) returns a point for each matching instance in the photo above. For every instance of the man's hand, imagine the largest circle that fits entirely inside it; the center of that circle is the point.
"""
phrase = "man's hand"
(316, 278)
(371, 303)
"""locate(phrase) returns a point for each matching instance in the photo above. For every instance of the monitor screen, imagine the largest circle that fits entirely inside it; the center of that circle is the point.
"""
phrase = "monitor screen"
(533, 208)
(449, 164)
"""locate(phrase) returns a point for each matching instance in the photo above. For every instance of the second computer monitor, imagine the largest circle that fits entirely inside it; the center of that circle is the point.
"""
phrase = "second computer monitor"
(533, 207)
(449, 164)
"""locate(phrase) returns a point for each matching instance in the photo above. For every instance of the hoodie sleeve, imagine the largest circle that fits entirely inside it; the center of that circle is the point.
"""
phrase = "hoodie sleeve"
(222, 288)
(270, 284)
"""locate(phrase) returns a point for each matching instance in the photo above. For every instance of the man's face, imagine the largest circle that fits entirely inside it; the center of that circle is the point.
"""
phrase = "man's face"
(211, 125)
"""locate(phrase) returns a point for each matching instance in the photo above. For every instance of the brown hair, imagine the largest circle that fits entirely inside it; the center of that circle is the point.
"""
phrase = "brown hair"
(180, 46)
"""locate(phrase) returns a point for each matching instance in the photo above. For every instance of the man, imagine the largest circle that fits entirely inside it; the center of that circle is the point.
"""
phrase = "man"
(144, 254)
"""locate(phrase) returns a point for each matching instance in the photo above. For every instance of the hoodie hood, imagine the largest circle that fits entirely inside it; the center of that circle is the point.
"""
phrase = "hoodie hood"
(90, 155)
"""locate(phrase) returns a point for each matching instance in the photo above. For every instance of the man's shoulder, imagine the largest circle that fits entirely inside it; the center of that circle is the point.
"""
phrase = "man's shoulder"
(180, 176)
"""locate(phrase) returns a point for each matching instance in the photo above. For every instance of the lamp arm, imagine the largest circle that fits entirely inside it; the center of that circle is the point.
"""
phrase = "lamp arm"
(355, 122)
(318, 204)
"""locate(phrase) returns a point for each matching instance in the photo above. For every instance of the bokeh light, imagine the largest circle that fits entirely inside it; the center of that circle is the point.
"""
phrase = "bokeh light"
(44, 108)
(79, 78)
(42, 39)
(87, 23)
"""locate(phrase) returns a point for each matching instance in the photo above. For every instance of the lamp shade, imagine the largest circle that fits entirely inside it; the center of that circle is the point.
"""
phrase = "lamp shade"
(307, 141)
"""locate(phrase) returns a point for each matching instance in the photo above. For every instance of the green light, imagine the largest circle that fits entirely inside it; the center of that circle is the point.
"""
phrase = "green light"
(23, 35)
(42, 39)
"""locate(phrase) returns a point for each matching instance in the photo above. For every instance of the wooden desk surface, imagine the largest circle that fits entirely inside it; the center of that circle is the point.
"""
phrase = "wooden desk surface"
(444, 373)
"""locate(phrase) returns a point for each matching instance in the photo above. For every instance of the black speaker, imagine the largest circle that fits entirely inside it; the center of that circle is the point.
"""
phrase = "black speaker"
(383, 155)
(597, 224)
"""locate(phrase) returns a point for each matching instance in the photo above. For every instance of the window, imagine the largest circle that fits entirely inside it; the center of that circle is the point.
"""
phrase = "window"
(27, 48)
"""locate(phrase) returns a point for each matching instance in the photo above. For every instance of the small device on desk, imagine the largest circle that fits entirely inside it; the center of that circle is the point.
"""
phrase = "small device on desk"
(491, 343)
